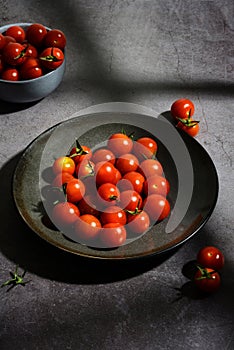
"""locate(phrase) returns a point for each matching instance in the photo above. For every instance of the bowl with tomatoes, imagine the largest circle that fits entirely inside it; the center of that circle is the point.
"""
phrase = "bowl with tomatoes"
(32, 61)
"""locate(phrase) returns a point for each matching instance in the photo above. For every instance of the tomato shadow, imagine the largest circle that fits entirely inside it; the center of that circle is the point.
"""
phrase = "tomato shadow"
(25, 248)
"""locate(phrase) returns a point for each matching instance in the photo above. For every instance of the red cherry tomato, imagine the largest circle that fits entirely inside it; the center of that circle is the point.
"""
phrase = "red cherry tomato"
(157, 207)
(8, 39)
(1, 64)
(32, 73)
(80, 153)
(85, 169)
(87, 229)
(14, 54)
(120, 144)
(11, 74)
(113, 235)
(109, 193)
(127, 162)
(182, 108)
(30, 50)
(132, 181)
(103, 155)
(55, 38)
(211, 257)
(62, 178)
(17, 33)
(75, 190)
(138, 223)
(64, 164)
(35, 34)
(145, 147)
(105, 172)
(113, 214)
(88, 205)
(150, 167)
(64, 214)
(207, 280)
(130, 200)
(2, 41)
(30, 69)
(51, 58)
(190, 126)
(156, 185)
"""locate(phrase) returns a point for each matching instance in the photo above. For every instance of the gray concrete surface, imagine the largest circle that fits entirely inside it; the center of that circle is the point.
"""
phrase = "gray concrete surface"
(149, 53)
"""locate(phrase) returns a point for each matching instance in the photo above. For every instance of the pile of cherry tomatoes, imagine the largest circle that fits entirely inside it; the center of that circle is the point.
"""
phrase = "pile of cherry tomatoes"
(111, 193)
(30, 53)
(183, 110)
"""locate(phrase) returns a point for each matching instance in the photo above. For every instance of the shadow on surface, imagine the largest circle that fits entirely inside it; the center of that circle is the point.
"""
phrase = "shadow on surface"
(22, 246)
(8, 107)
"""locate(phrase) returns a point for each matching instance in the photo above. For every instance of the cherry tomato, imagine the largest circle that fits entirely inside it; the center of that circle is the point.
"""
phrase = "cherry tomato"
(113, 235)
(14, 54)
(109, 193)
(87, 205)
(8, 39)
(1, 64)
(105, 172)
(150, 167)
(113, 214)
(85, 169)
(30, 50)
(120, 144)
(75, 190)
(35, 34)
(132, 181)
(62, 178)
(127, 162)
(130, 200)
(138, 223)
(32, 73)
(51, 58)
(156, 185)
(157, 207)
(11, 74)
(145, 147)
(64, 164)
(17, 33)
(64, 214)
(190, 126)
(208, 280)
(182, 108)
(55, 38)
(103, 155)
(80, 153)
(118, 175)
(87, 228)
(211, 257)
(31, 69)
(2, 41)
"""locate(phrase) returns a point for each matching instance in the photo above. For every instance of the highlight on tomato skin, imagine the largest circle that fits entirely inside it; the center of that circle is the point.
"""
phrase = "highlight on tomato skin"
(182, 108)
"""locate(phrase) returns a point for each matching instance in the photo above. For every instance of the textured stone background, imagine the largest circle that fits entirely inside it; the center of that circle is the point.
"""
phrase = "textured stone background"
(149, 53)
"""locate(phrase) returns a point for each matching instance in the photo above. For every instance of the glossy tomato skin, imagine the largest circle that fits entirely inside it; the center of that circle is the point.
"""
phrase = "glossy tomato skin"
(103, 155)
(145, 147)
(32, 73)
(62, 178)
(85, 169)
(30, 69)
(119, 144)
(105, 172)
(157, 207)
(126, 163)
(55, 38)
(75, 190)
(130, 200)
(35, 34)
(192, 130)
(11, 74)
(79, 154)
(150, 167)
(182, 108)
(63, 164)
(8, 39)
(87, 228)
(138, 223)
(17, 33)
(64, 214)
(156, 185)
(2, 41)
(113, 235)
(207, 280)
(109, 193)
(113, 214)
(51, 58)
(13, 54)
(132, 181)
(88, 205)
(211, 257)
(30, 50)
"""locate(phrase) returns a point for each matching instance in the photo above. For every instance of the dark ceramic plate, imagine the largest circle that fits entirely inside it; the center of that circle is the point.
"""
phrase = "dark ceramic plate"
(188, 167)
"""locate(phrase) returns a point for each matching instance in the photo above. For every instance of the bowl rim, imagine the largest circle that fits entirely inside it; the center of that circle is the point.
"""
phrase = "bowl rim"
(19, 82)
